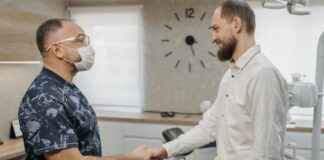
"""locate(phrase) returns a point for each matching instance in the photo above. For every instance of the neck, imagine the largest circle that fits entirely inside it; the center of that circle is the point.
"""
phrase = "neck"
(243, 44)
(66, 72)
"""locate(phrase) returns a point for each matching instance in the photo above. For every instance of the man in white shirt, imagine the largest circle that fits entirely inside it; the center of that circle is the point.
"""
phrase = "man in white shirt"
(248, 117)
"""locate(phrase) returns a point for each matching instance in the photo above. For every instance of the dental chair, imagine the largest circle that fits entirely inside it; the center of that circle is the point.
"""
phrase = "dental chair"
(173, 133)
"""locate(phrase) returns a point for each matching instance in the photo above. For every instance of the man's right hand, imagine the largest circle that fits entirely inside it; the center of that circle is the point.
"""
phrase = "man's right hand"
(140, 153)
(158, 153)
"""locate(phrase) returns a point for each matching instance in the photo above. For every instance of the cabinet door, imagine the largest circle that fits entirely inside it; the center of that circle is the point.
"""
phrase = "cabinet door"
(111, 137)
(205, 154)
(303, 141)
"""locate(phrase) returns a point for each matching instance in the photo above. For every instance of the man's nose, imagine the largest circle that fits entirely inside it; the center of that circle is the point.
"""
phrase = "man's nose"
(215, 38)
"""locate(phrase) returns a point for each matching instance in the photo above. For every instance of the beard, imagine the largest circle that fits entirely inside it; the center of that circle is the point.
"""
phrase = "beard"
(226, 52)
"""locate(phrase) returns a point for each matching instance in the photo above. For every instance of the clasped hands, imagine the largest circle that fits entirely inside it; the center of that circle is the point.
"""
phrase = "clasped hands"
(145, 153)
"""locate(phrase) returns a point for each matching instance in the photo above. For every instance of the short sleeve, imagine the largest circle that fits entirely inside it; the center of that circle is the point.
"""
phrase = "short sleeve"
(47, 128)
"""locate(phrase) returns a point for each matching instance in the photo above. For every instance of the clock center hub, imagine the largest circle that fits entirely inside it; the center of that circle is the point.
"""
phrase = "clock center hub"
(190, 40)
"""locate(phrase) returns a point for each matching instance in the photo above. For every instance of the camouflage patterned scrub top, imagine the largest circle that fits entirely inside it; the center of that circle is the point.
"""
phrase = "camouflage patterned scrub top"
(55, 115)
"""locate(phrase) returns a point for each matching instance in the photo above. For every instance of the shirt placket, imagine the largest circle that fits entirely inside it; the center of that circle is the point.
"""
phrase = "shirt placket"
(225, 116)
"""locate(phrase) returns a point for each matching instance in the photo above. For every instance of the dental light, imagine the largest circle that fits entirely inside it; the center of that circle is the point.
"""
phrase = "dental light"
(293, 6)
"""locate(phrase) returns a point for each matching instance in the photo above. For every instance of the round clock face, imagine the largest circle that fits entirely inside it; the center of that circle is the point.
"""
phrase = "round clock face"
(187, 30)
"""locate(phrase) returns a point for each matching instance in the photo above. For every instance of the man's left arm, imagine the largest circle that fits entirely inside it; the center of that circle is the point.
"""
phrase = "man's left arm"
(269, 97)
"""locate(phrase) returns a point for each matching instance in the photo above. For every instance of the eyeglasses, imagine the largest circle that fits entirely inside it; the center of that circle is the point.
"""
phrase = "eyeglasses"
(82, 39)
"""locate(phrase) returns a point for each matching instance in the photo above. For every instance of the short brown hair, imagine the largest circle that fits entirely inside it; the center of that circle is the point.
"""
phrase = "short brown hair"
(43, 31)
(241, 9)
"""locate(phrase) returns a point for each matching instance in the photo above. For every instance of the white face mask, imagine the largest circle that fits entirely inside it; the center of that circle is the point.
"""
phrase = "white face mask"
(87, 55)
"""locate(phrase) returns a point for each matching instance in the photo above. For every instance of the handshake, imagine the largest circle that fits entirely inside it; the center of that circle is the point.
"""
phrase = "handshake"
(145, 153)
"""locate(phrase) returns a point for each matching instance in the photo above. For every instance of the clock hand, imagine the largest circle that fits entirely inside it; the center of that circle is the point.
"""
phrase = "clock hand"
(193, 51)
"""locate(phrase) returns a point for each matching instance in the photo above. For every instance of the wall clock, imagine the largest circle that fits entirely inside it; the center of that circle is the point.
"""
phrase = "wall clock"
(190, 39)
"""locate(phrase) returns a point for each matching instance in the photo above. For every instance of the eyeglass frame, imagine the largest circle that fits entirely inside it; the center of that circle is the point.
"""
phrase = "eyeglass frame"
(86, 41)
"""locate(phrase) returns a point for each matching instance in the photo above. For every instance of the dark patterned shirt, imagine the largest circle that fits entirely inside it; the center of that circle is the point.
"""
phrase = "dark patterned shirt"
(55, 115)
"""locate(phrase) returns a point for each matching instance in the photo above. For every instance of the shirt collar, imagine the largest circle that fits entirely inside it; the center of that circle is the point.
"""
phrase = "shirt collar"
(53, 75)
(246, 57)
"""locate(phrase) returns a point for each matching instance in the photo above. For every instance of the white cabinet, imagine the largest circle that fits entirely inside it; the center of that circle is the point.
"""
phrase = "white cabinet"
(111, 136)
(120, 137)
(303, 141)
(205, 154)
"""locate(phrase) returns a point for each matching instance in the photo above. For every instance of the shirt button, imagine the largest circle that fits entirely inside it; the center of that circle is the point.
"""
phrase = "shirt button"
(233, 76)
(226, 95)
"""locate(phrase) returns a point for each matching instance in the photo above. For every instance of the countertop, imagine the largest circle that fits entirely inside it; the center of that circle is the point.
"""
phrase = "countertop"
(149, 117)
(12, 148)
(179, 119)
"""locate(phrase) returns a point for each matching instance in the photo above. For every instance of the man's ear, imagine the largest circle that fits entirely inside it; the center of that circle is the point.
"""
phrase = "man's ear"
(57, 51)
(237, 24)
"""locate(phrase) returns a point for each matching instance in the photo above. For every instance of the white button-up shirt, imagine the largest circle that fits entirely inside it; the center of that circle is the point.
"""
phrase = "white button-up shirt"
(248, 117)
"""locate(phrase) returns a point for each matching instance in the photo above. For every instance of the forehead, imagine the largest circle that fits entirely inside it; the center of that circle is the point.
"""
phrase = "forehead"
(69, 29)
(217, 12)
(217, 19)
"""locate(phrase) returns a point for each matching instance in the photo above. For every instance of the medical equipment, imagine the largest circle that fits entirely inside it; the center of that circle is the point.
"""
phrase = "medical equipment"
(317, 116)
(304, 95)
(291, 5)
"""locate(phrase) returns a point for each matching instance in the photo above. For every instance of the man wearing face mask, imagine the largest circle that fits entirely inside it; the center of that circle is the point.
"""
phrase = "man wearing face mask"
(56, 119)
(248, 117)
